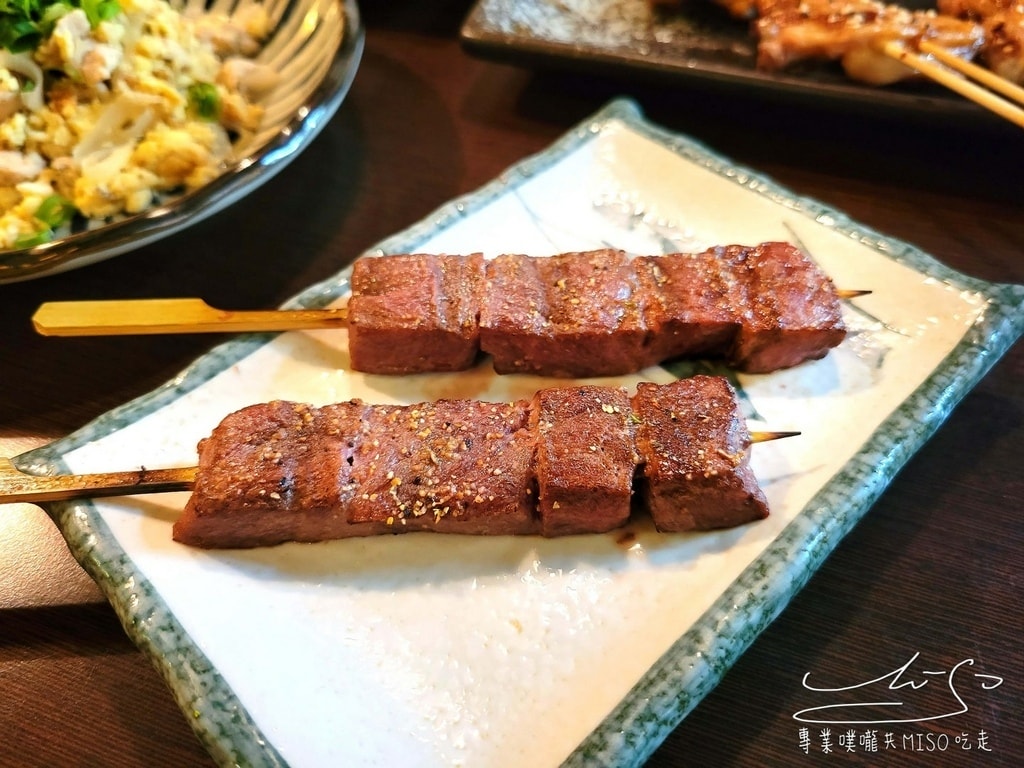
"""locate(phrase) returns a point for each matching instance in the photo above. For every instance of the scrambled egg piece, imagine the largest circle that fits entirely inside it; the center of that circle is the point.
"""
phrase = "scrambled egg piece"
(114, 121)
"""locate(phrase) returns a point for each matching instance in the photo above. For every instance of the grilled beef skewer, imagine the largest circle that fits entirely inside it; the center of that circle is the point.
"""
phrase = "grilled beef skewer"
(593, 313)
(569, 461)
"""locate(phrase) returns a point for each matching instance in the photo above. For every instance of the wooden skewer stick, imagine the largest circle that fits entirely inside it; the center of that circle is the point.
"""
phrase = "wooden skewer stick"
(984, 76)
(132, 317)
(158, 316)
(18, 486)
(952, 77)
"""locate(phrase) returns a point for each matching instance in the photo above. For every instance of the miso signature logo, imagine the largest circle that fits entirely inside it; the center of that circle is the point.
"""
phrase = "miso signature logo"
(898, 696)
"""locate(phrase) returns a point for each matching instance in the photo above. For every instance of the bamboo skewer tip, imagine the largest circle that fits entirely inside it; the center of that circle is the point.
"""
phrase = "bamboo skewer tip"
(765, 437)
(850, 293)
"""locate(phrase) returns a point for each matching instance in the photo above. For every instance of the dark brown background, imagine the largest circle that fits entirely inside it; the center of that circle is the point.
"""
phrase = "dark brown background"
(935, 567)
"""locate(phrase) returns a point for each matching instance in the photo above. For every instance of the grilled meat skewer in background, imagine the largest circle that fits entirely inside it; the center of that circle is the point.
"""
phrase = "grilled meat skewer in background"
(1003, 22)
(853, 32)
(571, 461)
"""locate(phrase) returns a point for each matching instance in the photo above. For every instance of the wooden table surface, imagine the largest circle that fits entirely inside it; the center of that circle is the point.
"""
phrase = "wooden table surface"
(934, 568)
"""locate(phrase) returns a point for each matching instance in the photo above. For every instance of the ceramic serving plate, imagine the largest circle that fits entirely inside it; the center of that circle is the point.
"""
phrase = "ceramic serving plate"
(315, 46)
(431, 650)
(695, 43)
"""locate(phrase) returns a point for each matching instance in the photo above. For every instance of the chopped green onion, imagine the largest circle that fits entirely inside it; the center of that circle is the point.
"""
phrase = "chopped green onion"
(36, 238)
(55, 211)
(204, 101)
(24, 24)
(18, 35)
(52, 13)
(100, 10)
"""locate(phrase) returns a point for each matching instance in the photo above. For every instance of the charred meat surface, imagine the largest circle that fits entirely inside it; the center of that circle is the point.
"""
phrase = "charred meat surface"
(570, 315)
(574, 314)
(564, 463)
(454, 466)
(415, 312)
(691, 307)
(514, 312)
(790, 316)
(586, 456)
(694, 449)
(276, 472)
(592, 313)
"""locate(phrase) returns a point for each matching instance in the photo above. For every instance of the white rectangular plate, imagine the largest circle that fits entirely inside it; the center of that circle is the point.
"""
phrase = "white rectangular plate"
(428, 650)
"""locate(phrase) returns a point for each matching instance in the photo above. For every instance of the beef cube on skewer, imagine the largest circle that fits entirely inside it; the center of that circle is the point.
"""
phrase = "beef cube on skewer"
(454, 466)
(514, 311)
(791, 311)
(276, 472)
(692, 304)
(415, 312)
(693, 445)
(585, 459)
(763, 308)
(570, 315)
